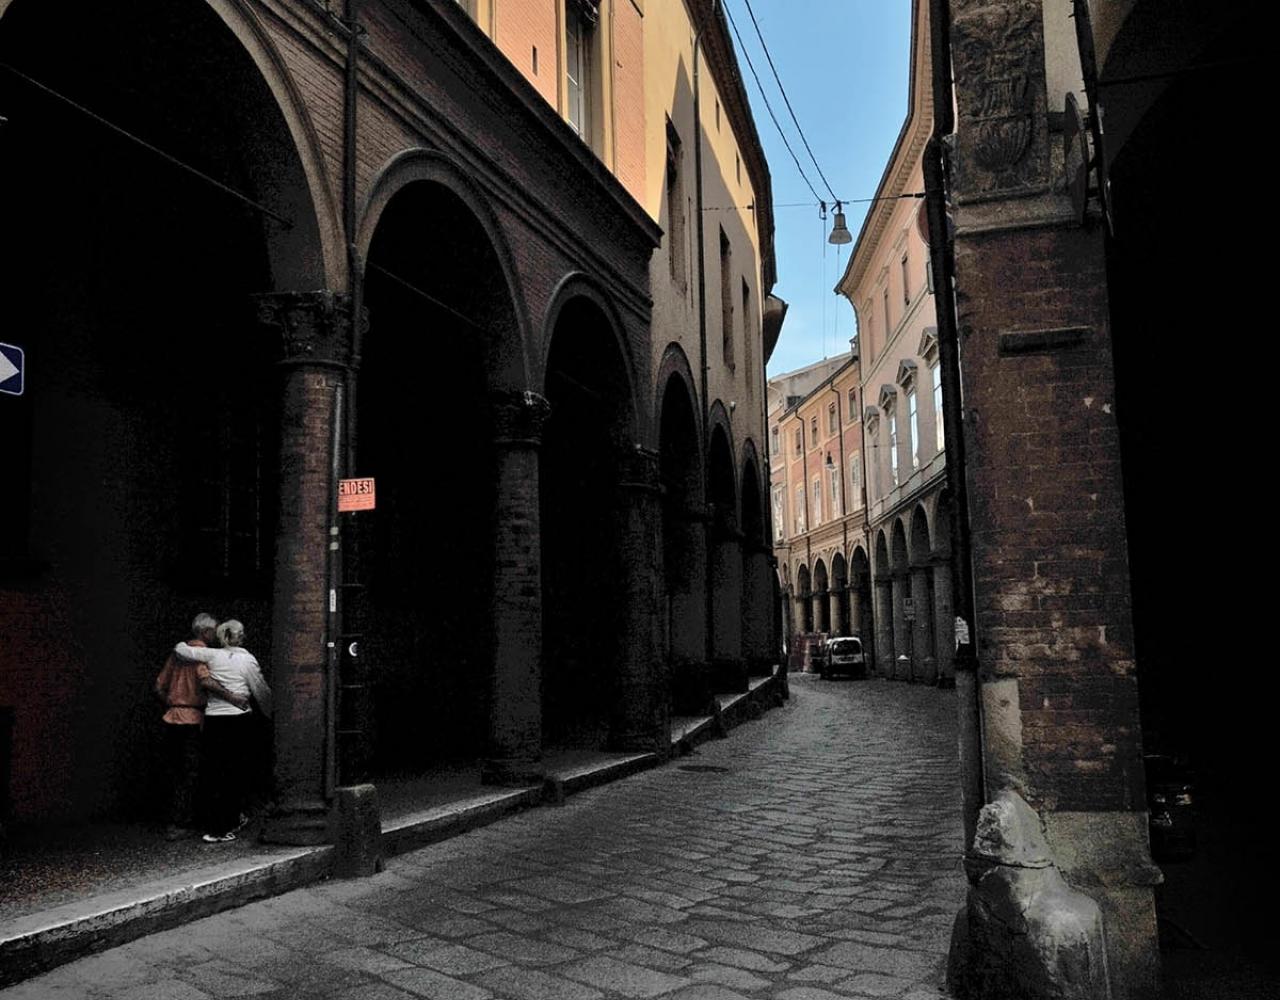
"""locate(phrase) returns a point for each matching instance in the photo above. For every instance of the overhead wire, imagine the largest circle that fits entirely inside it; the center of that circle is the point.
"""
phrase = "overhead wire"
(782, 90)
(151, 148)
(768, 107)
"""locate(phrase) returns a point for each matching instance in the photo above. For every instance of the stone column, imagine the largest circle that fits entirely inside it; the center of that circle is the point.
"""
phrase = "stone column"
(855, 608)
(883, 624)
(1053, 621)
(640, 719)
(943, 622)
(515, 694)
(833, 610)
(729, 671)
(685, 566)
(757, 602)
(901, 628)
(314, 333)
(923, 663)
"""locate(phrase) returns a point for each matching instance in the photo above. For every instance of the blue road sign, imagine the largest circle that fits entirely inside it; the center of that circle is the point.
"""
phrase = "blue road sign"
(11, 369)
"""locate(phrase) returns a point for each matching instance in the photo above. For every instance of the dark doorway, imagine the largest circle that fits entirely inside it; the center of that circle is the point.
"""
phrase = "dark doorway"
(438, 304)
(588, 427)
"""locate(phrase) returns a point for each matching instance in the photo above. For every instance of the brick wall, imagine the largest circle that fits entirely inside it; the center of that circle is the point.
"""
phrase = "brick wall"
(1050, 567)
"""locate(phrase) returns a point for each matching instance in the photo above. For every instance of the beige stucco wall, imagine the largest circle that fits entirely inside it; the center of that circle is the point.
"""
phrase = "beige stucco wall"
(727, 190)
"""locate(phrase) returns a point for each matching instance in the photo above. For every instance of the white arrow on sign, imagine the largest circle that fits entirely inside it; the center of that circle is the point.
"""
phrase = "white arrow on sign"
(7, 369)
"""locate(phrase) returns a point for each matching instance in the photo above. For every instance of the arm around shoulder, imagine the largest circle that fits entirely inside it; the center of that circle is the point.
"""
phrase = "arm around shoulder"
(201, 654)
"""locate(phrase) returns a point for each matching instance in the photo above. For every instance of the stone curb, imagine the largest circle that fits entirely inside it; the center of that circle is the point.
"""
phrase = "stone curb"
(38, 942)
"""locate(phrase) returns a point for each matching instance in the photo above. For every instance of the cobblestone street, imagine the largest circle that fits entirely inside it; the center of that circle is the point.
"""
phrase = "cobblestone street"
(813, 854)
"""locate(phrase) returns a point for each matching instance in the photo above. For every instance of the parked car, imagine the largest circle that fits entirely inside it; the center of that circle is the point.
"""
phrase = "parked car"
(844, 655)
(1171, 819)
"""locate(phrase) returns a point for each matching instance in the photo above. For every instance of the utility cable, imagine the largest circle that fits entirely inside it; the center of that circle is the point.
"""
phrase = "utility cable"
(795, 159)
(812, 204)
(167, 157)
(778, 80)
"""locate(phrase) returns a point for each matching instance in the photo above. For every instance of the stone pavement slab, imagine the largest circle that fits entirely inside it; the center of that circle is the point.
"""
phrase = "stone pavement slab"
(811, 855)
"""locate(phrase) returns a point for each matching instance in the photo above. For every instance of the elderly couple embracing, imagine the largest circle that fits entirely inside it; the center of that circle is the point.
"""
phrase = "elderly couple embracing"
(210, 685)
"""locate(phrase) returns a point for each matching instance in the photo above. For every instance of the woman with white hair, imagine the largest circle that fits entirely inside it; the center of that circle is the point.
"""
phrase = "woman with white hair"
(227, 728)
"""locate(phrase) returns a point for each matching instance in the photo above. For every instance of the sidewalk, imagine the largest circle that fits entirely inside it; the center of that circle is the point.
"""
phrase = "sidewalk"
(98, 886)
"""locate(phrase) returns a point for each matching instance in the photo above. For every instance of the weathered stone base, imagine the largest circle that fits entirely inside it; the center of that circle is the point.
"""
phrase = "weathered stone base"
(299, 826)
(358, 833)
(1024, 932)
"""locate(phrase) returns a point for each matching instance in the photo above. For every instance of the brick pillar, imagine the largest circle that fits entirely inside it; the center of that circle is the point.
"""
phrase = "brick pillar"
(833, 610)
(313, 330)
(757, 614)
(923, 663)
(883, 624)
(943, 623)
(730, 672)
(515, 700)
(801, 614)
(1054, 631)
(900, 669)
(640, 719)
(686, 551)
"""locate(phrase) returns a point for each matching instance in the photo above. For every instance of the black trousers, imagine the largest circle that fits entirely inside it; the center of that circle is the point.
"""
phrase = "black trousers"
(182, 749)
(224, 770)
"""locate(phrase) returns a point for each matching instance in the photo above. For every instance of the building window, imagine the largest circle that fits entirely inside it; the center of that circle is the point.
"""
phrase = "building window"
(853, 405)
(833, 487)
(892, 417)
(726, 300)
(831, 418)
(775, 440)
(799, 442)
(935, 372)
(579, 21)
(748, 331)
(675, 208)
(817, 500)
(779, 526)
(797, 509)
(873, 435)
(813, 432)
(913, 427)
(855, 481)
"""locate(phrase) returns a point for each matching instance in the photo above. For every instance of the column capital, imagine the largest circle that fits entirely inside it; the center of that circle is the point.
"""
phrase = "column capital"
(638, 469)
(518, 416)
(311, 328)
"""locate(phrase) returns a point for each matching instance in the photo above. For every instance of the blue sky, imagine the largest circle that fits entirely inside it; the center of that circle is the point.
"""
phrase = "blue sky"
(844, 66)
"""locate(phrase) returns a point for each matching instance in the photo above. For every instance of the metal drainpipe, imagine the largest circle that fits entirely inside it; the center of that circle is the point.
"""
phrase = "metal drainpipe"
(344, 404)
(355, 268)
(973, 776)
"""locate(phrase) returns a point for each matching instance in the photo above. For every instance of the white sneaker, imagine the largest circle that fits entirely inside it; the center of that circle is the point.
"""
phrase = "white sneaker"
(216, 838)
